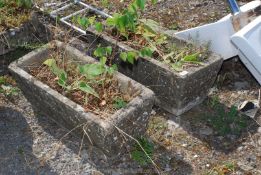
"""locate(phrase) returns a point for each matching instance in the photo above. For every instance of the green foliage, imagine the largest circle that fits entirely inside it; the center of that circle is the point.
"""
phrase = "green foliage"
(128, 20)
(60, 73)
(24, 3)
(6, 87)
(85, 22)
(224, 169)
(138, 154)
(227, 122)
(103, 51)
(119, 103)
(129, 56)
(89, 74)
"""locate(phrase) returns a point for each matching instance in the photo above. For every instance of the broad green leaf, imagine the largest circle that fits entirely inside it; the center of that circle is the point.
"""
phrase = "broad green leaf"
(192, 57)
(111, 70)
(140, 4)
(103, 60)
(154, 1)
(123, 56)
(92, 20)
(146, 52)
(103, 51)
(131, 56)
(98, 27)
(49, 62)
(92, 70)
(88, 89)
(83, 21)
(62, 80)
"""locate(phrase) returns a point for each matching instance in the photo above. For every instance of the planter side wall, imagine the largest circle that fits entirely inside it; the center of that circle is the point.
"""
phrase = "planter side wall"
(175, 93)
(133, 119)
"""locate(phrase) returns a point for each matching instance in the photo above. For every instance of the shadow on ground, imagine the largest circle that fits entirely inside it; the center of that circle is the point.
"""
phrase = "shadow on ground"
(16, 142)
(167, 162)
(216, 122)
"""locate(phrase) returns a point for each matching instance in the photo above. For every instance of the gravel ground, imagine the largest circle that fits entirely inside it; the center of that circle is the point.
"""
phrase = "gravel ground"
(33, 144)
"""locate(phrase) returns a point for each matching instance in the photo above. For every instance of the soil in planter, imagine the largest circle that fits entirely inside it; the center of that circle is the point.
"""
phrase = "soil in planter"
(86, 15)
(110, 98)
(176, 15)
(163, 49)
(12, 15)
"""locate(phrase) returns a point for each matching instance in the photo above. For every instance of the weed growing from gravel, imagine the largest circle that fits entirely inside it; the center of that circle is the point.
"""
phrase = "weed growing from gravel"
(227, 121)
(138, 154)
(7, 86)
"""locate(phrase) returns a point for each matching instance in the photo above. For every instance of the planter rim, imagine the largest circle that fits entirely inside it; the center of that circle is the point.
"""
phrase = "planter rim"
(215, 57)
(104, 122)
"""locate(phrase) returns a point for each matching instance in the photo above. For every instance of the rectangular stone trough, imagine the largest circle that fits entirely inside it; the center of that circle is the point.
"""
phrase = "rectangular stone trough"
(176, 92)
(103, 132)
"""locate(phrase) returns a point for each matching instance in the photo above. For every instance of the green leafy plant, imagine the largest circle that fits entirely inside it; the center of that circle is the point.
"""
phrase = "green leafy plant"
(6, 86)
(24, 3)
(89, 73)
(119, 103)
(138, 153)
(227, 122)
(86, 22)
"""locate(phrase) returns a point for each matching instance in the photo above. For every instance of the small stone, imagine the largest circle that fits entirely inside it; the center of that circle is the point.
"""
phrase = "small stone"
(184, 145)
(207, 165)
(259, 130)
(206, 131)
(195, 156)
(153, 112)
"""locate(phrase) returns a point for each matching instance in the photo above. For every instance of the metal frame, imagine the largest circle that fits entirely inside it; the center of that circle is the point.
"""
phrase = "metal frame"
(68, 4)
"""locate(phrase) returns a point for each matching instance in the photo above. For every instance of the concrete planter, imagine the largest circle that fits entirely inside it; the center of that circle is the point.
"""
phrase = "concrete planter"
(103, 133)
(176, 92)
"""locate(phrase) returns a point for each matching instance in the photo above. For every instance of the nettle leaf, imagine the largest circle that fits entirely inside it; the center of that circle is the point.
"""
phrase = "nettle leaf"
(103, 60)
(49, 62)
(60, 73)
(111, 70)
(154, 1)
(192, 57)
(140, 4)
(119, 103)
(92, 70)
(88, 89)
(103, 51)
(98, 27)
(92, 20)
(123, 56)
(146, 52)
(131, 56)
(83, 21)
(62, 80)
(114, 20)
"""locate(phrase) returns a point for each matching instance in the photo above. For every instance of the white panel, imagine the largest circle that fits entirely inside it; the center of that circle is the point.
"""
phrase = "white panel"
(248, 42)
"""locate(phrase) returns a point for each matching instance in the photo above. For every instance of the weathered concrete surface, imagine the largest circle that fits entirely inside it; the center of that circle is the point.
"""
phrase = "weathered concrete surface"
(31, 31)
(102, 132)
(176, 92)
